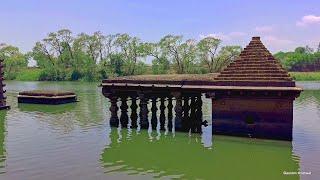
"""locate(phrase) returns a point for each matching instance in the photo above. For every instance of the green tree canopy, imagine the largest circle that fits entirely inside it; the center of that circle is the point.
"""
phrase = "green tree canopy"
(14, 60)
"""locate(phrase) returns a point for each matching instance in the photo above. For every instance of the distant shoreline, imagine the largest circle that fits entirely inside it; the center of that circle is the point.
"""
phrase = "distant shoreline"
(305, 76)
(33, 75)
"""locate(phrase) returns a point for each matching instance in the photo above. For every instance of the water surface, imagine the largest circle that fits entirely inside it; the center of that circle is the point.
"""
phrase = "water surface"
(74, 141)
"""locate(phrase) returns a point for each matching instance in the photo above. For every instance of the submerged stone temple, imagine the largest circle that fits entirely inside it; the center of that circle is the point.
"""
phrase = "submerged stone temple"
(253, 96)
(3, 104)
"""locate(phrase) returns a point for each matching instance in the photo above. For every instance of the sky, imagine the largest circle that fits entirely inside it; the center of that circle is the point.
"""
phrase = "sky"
(282, 24)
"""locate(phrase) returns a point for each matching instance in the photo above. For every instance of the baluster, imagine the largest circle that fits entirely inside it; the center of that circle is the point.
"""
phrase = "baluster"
(114, 120)
(134, 115)
(124, 112)
(178, 110)
(162, 113)
(198, 114)
(143, 111)
(185, 119)
(170, 115)
(193, 114)
(154, 109)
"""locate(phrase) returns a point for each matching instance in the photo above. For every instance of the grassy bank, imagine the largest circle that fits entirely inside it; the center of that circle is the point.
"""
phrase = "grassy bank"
(33, 74)
(306, 76)
(29, 74)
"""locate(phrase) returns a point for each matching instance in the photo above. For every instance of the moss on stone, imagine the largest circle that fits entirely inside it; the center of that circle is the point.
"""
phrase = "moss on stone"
(49, 93)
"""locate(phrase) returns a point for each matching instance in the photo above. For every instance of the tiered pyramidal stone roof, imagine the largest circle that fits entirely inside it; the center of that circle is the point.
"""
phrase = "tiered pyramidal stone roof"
(255, 67)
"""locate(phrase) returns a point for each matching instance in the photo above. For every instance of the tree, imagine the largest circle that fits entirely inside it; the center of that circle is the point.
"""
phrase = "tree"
(154, 50)
(302, 59)
(14, 60)
(42, 55)
(207, 49)
(90, 45)
(227, 54)
(309, 50)
(187, 51)
(132, 50)
(55, 54)
(300, 50)
(170, 46)
(212, 57)
(60, 43)
(91, 50)
(116, 65)
(160, 66)
(110, 45)
(160, 62)
(180, 54)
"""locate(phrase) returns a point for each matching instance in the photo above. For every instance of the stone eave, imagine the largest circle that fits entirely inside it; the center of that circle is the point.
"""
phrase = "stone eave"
(202, 88)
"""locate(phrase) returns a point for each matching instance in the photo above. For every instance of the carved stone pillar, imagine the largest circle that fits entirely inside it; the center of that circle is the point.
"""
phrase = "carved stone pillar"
(178, 110)
(193, 114)
(114, 120)
(124, 119)
(134, 115)
(170, 116)
(198, 114)
(162, 113)
(143, 111)
(2, 85)
(185, 118)
(154, 119)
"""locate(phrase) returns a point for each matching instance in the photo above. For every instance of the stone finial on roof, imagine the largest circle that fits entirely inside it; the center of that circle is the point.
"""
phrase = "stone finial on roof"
(256, 38)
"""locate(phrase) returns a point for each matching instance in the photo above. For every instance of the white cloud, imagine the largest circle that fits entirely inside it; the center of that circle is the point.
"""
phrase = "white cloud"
(275, 43)
(272, 42)
(264, 29)
(237, 34)
(277, 40)
(308, 20)
(223, 36)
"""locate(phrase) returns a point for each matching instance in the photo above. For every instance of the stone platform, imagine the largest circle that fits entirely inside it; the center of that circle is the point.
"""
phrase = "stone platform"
(46, 97)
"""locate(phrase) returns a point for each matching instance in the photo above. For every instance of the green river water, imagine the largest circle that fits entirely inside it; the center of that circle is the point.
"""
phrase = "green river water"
(75, 141)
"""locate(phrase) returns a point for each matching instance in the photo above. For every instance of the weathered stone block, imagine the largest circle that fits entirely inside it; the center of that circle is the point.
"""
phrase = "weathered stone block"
(262, 118)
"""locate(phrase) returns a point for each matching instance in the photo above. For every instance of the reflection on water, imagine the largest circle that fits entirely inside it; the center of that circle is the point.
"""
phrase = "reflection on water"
(306, 130)
(185, 157)
(2, 138)
(74, 141)
(54, 109)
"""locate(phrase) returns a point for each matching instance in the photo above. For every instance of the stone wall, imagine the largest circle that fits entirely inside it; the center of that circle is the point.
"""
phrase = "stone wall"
(256, 117)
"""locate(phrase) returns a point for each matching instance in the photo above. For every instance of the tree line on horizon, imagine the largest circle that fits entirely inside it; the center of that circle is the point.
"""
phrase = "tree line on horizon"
(305, 59)
(65, 56)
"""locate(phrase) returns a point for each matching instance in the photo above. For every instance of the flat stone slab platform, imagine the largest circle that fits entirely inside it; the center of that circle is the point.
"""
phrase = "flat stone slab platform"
(176, 79)
(46, 97)
(199, 82)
